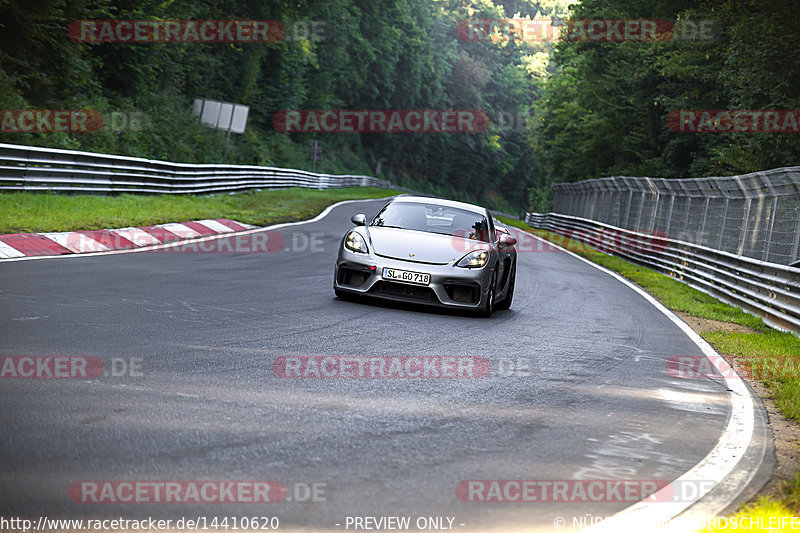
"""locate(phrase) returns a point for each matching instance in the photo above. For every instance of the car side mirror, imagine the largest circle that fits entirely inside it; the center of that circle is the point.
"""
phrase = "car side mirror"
(507, 241)
(359, 219)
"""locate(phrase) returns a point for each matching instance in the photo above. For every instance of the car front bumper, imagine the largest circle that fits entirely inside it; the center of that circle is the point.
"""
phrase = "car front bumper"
(450, 286)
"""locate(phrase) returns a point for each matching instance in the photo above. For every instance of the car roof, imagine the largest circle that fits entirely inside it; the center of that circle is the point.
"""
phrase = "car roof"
(442, 202)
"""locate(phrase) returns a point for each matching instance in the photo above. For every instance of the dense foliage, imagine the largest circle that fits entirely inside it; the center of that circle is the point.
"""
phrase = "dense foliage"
(370, 54)
(562, 112)
(604, 109)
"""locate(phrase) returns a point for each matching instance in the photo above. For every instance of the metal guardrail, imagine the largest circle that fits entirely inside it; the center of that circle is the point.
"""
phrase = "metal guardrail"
(768, 290)
(755, 215)
(29, 168)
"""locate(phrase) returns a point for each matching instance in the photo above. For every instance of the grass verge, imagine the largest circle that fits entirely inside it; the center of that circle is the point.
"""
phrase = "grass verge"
(764, 516)
(769, 356)
(24, 212)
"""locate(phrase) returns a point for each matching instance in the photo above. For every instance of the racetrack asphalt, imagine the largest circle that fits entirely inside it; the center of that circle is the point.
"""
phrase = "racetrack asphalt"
(579, 388)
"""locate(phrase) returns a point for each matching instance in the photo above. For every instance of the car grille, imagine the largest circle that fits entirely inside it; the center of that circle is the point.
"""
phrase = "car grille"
(462, 292)
(405, 291)
(352, 277)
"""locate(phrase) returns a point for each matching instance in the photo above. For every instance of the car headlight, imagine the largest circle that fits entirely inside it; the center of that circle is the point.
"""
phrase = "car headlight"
(355, 243)
(476, 259)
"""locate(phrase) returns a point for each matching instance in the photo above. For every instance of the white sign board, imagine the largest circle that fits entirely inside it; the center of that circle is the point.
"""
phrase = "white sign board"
(210, 113)
(239, 120)
(225, 114)
(221, 115)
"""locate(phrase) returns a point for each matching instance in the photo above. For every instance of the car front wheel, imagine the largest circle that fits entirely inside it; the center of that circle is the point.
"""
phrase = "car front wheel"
(506, 303)
(488, 307)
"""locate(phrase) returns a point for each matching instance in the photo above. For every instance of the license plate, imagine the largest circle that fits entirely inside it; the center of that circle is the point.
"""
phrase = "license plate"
(416, 278)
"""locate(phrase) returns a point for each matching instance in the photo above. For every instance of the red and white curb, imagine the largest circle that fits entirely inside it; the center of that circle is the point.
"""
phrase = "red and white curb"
(79, 242)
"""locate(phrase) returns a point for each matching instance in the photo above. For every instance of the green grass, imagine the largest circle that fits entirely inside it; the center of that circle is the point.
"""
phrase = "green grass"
(23, 212)
(755, 516)
(770, 356)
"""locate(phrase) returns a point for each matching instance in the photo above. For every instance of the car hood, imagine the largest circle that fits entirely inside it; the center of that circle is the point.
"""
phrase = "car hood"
(426, 247)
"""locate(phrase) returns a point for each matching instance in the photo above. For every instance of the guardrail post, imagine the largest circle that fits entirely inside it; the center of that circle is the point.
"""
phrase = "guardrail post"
(668, 224)
(601, 214)
(616, 202)
(641, 209)
(576, 208)
(655, 212)
(768, 241)
(771, 222)
(745, 216)
(684, 231)
(703, 222)
(630, 201)
(722, 222)
(568, 201)
(573, 202)
(585, 202)
(796, 244)
(686, 217)
(743, 231)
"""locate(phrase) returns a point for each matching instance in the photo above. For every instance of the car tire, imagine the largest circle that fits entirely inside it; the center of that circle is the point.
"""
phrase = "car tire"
(486, 310)
(506, 303)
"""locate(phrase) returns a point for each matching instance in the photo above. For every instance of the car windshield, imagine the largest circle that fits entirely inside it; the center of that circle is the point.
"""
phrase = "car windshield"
(433, 218)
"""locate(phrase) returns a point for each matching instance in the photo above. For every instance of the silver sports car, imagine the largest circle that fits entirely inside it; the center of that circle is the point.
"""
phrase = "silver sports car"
(429, 251)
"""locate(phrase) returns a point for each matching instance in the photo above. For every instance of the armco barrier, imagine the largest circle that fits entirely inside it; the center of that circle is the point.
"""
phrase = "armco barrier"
(755, 215)
(29, 168)
(769, 290)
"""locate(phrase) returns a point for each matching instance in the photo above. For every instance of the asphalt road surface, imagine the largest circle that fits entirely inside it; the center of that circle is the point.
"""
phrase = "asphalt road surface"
(578, 390)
